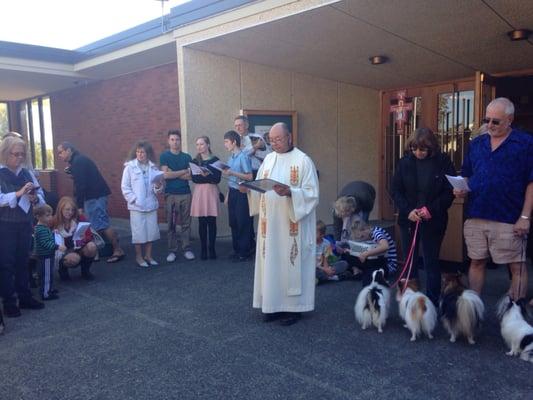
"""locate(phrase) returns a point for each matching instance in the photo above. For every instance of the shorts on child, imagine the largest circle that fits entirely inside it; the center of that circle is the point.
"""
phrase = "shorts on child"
(486, 238)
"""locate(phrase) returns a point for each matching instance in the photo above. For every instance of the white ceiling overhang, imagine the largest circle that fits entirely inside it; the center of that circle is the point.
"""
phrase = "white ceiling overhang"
(425, 40)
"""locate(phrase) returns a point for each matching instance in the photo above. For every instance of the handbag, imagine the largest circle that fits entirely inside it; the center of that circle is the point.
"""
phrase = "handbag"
(221, 196)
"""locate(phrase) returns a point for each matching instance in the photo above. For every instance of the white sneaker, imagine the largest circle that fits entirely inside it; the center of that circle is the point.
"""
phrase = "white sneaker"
(189, 255)
(171, 257)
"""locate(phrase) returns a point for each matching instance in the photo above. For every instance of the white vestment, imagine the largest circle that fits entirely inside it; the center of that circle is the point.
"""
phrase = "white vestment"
(286, 235)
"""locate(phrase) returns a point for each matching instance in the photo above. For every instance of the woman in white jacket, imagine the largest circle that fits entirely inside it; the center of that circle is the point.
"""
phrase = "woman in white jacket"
(141, 180)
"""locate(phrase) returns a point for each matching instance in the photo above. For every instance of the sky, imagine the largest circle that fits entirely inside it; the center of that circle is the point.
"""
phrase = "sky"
(70, 24)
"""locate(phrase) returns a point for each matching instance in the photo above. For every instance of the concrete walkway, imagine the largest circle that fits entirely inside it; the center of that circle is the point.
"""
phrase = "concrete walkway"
(187, 331)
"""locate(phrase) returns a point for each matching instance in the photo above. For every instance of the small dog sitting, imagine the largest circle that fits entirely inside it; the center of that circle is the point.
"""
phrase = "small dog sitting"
(372, 305)
(461, 310)
(516, 332)
(416, 309)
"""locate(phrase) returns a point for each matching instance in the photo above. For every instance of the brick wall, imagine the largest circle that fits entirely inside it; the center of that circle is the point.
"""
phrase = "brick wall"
(104, 119)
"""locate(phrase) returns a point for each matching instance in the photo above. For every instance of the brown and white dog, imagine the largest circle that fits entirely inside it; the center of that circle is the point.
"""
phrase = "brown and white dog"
(461, 310)
(416, 309)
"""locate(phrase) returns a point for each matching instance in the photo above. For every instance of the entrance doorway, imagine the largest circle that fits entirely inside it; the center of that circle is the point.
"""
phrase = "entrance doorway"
(520, 91)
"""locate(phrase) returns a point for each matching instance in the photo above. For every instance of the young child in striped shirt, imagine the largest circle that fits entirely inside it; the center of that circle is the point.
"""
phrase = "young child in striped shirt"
(45, 247)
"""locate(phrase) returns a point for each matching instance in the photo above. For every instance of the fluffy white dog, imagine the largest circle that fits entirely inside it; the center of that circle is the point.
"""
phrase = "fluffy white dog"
(416, 309)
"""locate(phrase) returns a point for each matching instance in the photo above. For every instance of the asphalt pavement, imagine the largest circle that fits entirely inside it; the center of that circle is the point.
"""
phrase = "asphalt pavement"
(187, 331)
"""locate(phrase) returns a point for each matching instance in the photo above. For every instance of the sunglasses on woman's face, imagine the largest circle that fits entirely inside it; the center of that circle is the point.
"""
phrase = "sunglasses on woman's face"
(422, 149)
(494, 121)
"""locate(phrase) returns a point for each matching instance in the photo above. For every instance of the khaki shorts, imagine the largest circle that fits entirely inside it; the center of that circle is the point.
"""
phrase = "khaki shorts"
(486, 238)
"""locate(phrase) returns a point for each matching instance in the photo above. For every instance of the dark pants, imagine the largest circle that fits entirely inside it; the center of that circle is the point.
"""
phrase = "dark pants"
(368, 267)
(240, 222)
(207, 229)
(46, 275)
(430, 241)
(15, 245)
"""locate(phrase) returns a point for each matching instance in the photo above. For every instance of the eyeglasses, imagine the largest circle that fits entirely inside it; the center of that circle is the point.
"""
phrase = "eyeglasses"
(18, 154)
(494, 121)
(278, 139)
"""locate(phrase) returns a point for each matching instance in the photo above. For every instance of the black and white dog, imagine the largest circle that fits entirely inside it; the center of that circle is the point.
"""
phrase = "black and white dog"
(373, 302)
(515, 330)
(461, 309)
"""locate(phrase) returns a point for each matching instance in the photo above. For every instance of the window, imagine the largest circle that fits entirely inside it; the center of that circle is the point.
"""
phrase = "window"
(4, 119)
(36, 118)
(455, 123)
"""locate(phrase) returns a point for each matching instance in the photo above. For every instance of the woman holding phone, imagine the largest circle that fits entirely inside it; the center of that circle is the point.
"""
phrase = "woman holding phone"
(19, 191)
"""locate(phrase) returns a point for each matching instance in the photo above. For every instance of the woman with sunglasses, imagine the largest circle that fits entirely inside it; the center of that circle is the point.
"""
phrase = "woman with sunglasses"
(423, 195)
(19, 191)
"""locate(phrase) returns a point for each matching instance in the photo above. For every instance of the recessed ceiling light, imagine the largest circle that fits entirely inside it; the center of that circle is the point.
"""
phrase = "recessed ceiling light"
(376, 60)
(519, 34)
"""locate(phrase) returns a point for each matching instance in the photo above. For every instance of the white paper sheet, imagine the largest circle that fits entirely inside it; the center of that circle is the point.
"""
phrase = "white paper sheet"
(458, 182)
(157, 177)
(25, 203)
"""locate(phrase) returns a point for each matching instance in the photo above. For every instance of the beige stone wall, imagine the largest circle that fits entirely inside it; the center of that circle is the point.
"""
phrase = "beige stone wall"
(338, 123)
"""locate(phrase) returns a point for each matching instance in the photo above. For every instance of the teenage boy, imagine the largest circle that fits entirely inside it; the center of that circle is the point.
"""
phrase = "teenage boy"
(175, 164)
(240, 221)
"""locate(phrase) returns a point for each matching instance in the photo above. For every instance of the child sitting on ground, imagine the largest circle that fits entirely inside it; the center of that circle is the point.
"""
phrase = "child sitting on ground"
(326, 271)
(382, 256)
(45, 247)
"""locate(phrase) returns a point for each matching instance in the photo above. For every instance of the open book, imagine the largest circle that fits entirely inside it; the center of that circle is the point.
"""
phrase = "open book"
(262, 185)
(197, 170)
(221, 166)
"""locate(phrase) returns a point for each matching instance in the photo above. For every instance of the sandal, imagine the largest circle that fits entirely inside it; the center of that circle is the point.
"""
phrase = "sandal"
(116, 258)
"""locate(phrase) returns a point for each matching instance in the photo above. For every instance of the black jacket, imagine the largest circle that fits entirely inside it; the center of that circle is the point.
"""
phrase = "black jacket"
(439, 197)
(88, 182)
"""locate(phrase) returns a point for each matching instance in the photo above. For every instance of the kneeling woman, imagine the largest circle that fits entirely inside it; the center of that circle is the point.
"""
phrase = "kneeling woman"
(65, 223)
(140, 194)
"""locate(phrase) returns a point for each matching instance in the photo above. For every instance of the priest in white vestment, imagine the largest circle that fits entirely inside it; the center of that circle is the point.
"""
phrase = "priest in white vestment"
(284, 282)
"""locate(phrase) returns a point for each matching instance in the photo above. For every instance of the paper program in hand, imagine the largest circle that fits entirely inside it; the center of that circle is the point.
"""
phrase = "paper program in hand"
(458, 182)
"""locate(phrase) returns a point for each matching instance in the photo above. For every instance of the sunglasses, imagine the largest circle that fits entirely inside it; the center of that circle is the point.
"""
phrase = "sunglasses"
(415, 148)
(494, 121)
(18, 154)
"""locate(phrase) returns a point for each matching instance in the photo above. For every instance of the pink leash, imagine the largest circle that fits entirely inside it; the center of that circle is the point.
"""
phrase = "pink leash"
(409, 260)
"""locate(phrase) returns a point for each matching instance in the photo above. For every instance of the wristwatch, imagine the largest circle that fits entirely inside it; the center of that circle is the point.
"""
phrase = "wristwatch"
(524, 217)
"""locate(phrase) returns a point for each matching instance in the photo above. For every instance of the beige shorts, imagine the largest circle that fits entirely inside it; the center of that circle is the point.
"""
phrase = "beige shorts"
(486, 238)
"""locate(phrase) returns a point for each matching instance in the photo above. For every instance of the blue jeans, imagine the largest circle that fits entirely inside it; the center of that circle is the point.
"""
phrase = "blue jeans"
(15, 247)
(339, 267)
